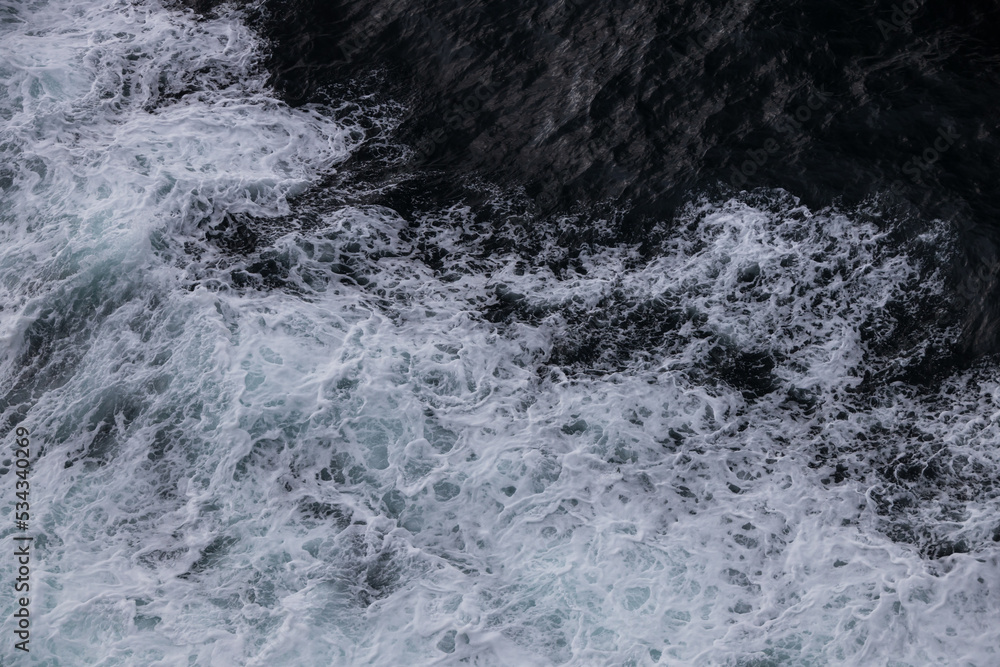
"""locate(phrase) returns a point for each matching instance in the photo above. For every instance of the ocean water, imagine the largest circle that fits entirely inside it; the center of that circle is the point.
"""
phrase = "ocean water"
(322, 449)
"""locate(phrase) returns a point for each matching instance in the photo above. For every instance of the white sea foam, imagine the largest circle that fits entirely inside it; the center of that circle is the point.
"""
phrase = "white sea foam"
(355, 467)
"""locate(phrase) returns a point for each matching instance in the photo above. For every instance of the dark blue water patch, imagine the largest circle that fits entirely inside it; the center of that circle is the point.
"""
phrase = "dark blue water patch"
(672, 95)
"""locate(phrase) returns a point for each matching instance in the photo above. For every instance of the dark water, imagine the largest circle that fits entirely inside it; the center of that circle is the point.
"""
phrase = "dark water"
(647, 105)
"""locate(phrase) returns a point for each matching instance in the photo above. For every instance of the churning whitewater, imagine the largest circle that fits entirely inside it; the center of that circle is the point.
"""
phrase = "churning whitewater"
(323, 449)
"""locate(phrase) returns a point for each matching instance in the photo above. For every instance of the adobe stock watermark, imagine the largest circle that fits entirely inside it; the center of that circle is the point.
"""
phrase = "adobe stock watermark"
(562, 11)
(548, 197)
(360, 40)
(701, 42)
(22, 546)
(598, 145)
(917, 166)
(698, 44)
(298, 78)
(900, 17)
(789, 126)
(461, 116)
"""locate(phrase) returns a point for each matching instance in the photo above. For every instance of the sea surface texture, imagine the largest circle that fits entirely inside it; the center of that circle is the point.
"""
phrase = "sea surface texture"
(502, 334)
